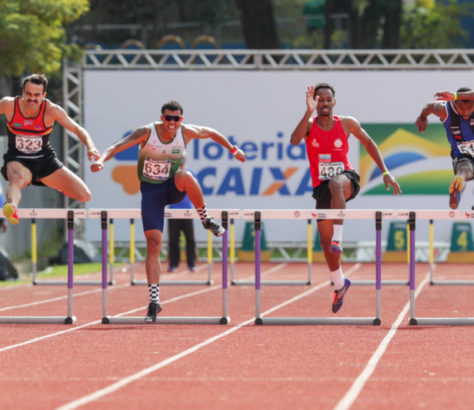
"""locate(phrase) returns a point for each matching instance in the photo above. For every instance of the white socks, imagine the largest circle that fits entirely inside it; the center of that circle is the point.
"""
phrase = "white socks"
(338, 278)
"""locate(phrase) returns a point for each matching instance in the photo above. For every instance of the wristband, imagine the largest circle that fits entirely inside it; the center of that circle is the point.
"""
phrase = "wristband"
(234, 150)
(455, 96)
(385, 173)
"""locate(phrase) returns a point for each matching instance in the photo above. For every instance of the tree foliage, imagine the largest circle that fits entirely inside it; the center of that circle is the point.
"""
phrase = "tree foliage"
(438, 26)
(32, 35)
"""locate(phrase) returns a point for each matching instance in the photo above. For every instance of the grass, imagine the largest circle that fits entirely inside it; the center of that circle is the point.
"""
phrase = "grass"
(56, 271)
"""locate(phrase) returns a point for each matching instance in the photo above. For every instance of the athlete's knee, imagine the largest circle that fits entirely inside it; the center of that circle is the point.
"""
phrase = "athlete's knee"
(18, 180)
(153, 244)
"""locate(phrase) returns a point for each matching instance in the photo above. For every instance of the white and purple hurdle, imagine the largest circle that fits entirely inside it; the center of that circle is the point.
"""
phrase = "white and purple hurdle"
(258, 216)
(412, 216)
(107, 319)
(69, 215)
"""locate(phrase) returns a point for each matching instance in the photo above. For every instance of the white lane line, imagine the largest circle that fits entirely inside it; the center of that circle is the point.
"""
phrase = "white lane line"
(139, 375)
(175, 299)
(359, 383)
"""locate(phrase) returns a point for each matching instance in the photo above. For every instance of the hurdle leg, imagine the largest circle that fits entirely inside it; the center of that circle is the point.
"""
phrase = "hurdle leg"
(209, 257)
(34, 255)
(111, 251)
(225, 285)
(411, 222)
(132, 252)
(70, 262)
(309, 252)
(258, 318)
(378, 267)
(232, 251)
(103, 220)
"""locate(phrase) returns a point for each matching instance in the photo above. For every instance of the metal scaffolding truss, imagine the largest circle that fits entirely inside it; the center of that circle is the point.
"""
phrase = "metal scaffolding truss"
(218, 59)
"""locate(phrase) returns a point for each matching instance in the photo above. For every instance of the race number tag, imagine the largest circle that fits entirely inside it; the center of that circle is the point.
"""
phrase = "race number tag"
(156, 170)
(466, 147)
(328, 170)
(28, 145)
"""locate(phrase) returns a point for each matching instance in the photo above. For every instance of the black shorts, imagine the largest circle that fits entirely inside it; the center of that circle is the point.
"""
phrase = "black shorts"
(39, 167)
(322, 194)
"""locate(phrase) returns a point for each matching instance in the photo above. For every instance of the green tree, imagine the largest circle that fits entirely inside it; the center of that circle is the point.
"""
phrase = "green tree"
(32, 35)
(438, 26)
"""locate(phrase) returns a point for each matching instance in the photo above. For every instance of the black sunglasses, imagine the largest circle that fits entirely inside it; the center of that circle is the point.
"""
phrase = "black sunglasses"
(175, 118)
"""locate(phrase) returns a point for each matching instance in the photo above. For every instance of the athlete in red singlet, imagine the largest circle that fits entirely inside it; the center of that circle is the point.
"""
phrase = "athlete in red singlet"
(334, 180)
(30, 158)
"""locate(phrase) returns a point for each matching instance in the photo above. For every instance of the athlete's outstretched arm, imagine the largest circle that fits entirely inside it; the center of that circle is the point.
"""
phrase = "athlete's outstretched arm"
(192, 131)
(353, 126)
(137, 136)
(449, 96)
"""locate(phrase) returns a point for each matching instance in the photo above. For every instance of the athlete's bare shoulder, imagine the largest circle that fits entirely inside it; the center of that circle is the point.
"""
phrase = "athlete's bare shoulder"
(7, 105)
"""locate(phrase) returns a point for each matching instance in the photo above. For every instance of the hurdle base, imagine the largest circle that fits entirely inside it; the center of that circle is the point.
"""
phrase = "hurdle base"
(272, 283)
(442, 321)
(63, 282)
(452, 282)
(178, 282)
(69, 320)
(173, 320)
(318, 321)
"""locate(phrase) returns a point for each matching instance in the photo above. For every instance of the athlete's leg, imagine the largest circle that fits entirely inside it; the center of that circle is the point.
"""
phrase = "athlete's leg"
(19, 177)
(464, 172)
(185, 181)
(65, 181)
(152, 261)
(341, 190)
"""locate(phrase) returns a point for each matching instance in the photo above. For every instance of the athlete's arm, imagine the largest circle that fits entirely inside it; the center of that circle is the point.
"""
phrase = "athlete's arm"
(352, 126)
(436, 108)
(139, 135)
(302, 129)
(6, 107)
(448, 96)
(59, 115)
(191, 131)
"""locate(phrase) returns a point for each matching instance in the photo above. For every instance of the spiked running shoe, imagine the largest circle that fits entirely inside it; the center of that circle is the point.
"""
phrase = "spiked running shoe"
(339, 296)
(10, 212)
(211, 225)
(335, 247)
(455, 189)
(153, 310)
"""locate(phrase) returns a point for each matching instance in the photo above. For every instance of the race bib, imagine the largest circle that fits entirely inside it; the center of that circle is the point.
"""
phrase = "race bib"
(156, 170)
(328, 170)
(28, 145)
(466, 147)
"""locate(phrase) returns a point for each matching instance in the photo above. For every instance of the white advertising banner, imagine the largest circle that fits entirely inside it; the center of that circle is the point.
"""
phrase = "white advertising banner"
(258, 111)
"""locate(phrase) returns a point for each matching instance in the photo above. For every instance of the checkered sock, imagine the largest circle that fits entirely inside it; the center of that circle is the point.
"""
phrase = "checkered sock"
(154, 290)
(203, 213)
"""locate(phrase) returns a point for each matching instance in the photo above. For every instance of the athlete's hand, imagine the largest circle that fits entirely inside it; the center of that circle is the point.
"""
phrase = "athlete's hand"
(311, 101)
(421, 123)
(93, 153)
(240, 155)
(389, 180)
(444, 96)
(97, 166)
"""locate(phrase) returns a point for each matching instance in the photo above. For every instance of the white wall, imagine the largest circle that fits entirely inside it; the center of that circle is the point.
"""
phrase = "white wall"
(259, 110)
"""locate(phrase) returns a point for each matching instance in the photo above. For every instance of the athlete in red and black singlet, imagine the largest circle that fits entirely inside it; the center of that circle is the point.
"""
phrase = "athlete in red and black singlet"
(327, 151)
(28, 137)
(28, 143)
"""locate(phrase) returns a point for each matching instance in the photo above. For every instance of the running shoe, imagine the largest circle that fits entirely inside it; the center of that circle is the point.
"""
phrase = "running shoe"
(10, 212)
(211, 225)
(153, 310)
(339, 296)
(335, 247)
(455, 189)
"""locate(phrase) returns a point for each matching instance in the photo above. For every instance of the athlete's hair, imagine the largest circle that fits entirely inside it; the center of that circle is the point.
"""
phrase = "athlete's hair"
(463, 90)
(172, 106)
(324, 85)
(39, 79)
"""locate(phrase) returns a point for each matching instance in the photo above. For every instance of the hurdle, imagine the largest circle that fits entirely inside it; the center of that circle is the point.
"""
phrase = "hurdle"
(250, 214)
(222, 320)
(316, 214)
(431, 214)
(182, 214)
(34, 259)
(69, 215)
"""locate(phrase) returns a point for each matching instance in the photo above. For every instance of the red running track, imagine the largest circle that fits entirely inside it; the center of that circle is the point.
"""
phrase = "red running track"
(241, 365)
